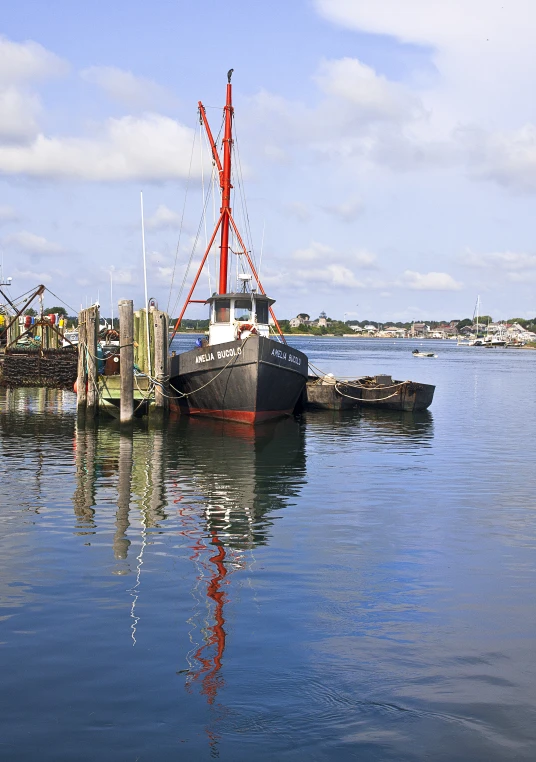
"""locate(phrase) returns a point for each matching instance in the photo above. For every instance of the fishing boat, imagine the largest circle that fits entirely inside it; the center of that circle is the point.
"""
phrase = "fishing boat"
(381, 392)
(239, 372)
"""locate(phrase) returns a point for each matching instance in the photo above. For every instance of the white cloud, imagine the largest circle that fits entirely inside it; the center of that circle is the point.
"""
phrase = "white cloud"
(128, 89)
(149, 148)
(522, 278)
(31, 275)
(507, 156)
(348, 211)
(298, 210)
(23, 62)
(373, 97)
(32, 244)
(429, 281)
(482, 48)
(18, 115)
(319, 252)
(313, 253)
(503, 260)
(364, 259)
(163, 218)
(359, 111)
(8, 214)
(334, 275)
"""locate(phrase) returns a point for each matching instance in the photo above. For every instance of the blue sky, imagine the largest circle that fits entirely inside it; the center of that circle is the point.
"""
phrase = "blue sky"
(388, 149)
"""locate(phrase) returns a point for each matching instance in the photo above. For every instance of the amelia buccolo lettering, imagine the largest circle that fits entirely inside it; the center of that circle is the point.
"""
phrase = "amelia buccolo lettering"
(221, 354)
(283, 356)
(228, 353)
(204, 358)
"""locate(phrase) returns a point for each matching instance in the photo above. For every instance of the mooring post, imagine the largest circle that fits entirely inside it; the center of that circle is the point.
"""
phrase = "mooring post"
(161, 373)
(126, 358)
(81, 378)
(92, 374)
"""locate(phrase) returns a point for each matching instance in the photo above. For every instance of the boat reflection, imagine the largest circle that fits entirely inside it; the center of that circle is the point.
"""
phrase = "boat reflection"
(415, 428)
(216, 484)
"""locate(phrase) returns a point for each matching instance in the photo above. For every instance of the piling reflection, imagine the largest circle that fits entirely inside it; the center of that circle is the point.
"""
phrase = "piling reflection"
(86, 481)
(124, 483)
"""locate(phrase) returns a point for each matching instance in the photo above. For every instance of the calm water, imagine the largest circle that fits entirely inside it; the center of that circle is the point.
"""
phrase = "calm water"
(336, 587)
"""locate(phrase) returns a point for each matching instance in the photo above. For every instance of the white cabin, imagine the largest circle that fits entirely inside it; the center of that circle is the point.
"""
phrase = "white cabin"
(237, 315)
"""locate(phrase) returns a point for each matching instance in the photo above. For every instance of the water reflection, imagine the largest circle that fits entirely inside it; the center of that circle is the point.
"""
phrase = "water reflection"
(219, 486)
(216, 487)
(400, 430)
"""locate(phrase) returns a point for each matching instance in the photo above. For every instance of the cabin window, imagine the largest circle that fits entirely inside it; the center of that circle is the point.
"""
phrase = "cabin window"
(242, 310)
(262, 312)
(222, 310)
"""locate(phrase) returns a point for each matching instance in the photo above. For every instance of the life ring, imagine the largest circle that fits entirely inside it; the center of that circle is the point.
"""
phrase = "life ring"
(243, 327)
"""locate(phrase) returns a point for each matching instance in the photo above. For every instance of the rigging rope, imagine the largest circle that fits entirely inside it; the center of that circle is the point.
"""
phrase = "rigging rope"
(177, 300)
(245, 212)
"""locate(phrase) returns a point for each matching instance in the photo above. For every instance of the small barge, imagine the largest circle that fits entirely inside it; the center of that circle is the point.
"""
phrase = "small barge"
(330, 393)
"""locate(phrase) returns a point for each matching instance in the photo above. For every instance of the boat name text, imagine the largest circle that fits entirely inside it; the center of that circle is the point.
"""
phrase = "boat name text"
(284, 356)
(220, 354)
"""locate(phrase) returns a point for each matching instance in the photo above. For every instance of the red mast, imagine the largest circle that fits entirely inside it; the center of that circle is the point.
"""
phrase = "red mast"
(226, 186)
(226, 218)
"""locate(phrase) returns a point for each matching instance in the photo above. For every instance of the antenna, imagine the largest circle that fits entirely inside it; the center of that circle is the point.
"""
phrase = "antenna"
(145, 282)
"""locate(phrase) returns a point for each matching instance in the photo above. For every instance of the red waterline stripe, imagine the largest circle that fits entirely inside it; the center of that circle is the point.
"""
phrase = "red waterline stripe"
(240, 416)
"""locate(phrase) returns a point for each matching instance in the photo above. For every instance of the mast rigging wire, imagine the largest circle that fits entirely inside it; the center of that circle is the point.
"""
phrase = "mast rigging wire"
(190, 259)
(181, 226)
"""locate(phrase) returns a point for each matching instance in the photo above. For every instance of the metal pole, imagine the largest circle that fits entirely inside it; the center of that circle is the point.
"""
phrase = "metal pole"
(146, 292)
(126, 357)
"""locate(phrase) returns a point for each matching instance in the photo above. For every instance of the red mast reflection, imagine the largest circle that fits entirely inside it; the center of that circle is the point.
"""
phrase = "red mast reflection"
(210, 654)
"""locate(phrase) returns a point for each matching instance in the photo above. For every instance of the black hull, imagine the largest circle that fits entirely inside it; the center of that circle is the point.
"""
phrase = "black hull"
(245, 381)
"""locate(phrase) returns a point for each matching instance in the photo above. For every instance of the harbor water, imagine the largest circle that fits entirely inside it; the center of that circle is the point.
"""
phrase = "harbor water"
(339, 586)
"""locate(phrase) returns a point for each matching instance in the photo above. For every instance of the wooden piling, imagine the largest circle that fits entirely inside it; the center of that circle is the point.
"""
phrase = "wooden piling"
(126, 355)
(160, 323)
(92, 323)
(81, 379)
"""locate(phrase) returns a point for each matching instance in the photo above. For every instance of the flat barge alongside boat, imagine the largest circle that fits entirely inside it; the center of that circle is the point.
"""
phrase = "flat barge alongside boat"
(382, 392)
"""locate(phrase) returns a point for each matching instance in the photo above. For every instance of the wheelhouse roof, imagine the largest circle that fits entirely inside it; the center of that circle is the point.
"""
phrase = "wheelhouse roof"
(240, 295)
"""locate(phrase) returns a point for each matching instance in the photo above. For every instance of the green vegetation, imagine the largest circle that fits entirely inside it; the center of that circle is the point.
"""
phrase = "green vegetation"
(61, 311)
(529, 324)
(188, 326)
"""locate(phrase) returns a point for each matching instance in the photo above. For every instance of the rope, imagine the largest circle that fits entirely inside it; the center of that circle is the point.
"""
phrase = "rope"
(360, 386)
(180, 231)
(360, 399)
(61, 300)
(194, 247)
(241, 189)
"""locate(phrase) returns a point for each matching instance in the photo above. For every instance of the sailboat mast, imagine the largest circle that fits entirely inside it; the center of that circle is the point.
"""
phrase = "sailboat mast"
(226, 187)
